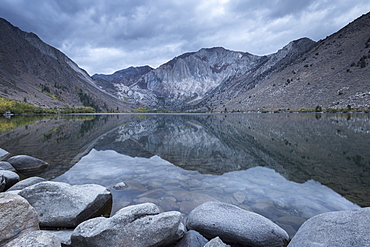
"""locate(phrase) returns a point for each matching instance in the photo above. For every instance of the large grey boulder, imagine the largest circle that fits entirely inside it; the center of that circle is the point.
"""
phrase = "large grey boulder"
(63, 205)
(341, 228)
(4, 165)
(17, 216)
(192, 239)
(26, 164)
(35, 238)
(26, 182)
(138, 225)
(7, 179)
(235, 225)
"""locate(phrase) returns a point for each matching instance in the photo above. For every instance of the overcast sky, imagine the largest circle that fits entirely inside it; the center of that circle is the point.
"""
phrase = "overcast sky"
(106, 36)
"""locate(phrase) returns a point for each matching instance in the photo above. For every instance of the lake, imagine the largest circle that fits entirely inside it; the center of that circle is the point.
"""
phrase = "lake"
(287, 167)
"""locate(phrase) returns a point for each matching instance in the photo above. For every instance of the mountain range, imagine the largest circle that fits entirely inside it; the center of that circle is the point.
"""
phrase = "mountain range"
(330, 73)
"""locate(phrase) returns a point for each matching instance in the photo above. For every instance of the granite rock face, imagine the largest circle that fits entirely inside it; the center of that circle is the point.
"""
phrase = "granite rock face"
(62, 205)
(342, 228)
(26, 163)
(138, 225)
(235, 225)
(17, 217)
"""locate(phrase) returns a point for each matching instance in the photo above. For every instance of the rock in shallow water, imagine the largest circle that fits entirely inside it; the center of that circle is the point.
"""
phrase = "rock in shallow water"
(138, 225)
(26, 163)
(62, 205)
(342, 228)
(17, 216)
(235, 225)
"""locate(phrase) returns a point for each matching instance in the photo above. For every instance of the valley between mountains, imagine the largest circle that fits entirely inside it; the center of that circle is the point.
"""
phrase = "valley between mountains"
(331, 73)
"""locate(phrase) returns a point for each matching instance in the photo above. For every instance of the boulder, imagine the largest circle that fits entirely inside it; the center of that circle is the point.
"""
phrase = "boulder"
(17, 216)
(216, 242)
(192, 239)
(3, 154)
(26, 164)
(7, 179)
(138, 225)
(235, 225)
(35, 238)
(341, 228)
(4, 165)
(26, 182)
(63, 205)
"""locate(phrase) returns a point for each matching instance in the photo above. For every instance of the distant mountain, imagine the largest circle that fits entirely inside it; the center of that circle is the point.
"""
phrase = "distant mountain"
(195, 76)
(331, 73)
(34, 72)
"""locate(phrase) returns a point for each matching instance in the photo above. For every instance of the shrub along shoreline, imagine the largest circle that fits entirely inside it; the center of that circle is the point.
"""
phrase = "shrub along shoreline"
(13, 107)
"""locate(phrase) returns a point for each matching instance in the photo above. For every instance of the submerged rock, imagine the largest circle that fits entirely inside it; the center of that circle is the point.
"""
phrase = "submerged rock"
(7, 179)
(25, 163)
(235, 225)
(26, 182)
(138, 225)
(342, 228)
(17, 217)
(62, 205)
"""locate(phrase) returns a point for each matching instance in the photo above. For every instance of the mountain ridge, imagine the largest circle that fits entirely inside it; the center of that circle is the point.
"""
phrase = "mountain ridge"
(34, 72)
(263, 83)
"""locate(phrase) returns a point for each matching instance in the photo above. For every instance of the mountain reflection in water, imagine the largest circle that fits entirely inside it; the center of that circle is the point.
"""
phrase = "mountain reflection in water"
(287, 167)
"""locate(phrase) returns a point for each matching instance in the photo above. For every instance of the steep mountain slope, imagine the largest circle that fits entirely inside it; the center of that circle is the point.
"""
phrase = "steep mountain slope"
(334, 74)
(185, 78)
(197, 76)
(34, 72)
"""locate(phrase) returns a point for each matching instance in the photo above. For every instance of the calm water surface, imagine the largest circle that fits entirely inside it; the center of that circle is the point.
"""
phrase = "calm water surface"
(287, 167)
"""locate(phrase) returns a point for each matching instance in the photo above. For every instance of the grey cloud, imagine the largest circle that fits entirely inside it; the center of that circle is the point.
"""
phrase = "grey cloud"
(104, 36)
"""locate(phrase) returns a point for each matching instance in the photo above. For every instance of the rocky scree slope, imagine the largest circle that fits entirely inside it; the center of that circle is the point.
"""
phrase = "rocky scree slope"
(333, 74)
(34, 72)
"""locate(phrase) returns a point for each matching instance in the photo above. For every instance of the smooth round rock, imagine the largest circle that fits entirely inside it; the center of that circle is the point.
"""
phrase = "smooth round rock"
(341, 228)
(235, 225)
(26, 163)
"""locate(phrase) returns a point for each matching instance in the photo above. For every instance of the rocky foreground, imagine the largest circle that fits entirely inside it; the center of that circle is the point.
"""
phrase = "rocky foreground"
(35, 212)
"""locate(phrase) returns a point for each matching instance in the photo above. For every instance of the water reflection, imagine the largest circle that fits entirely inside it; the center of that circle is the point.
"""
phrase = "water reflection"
(280, 165)
(258, 189)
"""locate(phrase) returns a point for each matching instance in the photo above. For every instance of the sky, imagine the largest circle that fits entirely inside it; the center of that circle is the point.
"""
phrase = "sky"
(106, 36)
